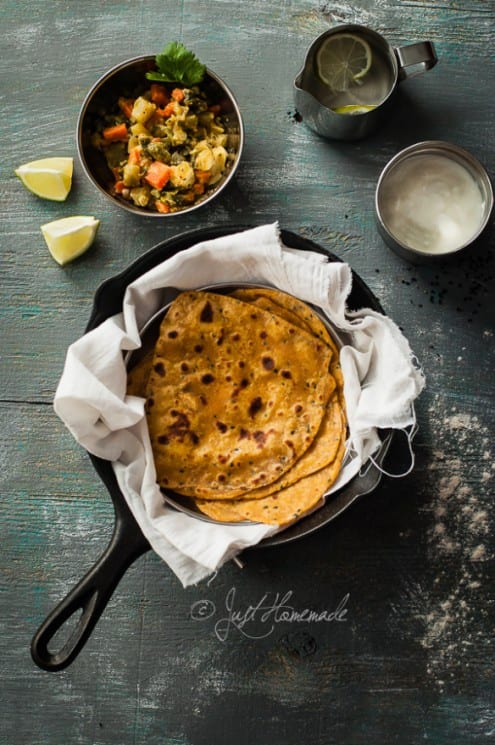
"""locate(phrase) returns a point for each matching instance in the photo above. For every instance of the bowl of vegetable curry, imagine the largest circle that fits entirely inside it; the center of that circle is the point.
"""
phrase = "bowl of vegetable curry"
(160, 135)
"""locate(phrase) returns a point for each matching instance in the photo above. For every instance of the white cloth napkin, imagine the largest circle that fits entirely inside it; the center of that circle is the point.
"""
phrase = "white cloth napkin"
(382, 380)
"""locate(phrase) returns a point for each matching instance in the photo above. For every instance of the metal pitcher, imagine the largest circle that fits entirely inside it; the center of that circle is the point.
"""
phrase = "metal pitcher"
(353, 113)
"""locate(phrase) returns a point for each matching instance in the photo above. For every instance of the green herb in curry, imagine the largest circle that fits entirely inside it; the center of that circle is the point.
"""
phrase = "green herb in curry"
(176, 64)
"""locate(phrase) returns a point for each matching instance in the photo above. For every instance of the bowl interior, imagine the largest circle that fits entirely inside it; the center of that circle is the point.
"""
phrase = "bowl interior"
(469, 185)
(129, 80)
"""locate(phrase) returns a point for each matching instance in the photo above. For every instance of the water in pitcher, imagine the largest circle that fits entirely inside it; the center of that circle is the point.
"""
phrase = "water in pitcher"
(352, 70)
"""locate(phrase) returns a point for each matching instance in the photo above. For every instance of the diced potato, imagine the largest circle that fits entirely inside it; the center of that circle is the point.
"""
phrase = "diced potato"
(182, 175)
(139, 133)
(140, 195)
(132, 142)
(220, 158)
(191, 121)
(219, 140)
(180, 112)
(139, 129)
(204, 160)
(131, 174)
(179, 136)
(216, 129)
(142, 110)
(201, 145)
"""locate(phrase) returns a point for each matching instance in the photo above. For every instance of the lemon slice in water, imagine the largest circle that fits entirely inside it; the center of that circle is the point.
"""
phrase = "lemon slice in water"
(353, 109)
(48, 178)
(69, 237)
(343, 59)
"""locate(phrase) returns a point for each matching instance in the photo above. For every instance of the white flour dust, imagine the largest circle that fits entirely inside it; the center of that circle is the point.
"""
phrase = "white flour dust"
(458, 611)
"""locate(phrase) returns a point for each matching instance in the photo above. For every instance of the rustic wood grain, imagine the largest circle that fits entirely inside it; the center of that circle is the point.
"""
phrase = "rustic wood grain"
(413, 660)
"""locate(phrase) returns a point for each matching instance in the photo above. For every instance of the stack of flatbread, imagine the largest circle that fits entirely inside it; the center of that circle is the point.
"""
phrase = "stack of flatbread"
(244, 404)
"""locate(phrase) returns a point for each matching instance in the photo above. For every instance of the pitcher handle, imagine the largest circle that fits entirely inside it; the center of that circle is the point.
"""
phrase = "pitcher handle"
(415, 59)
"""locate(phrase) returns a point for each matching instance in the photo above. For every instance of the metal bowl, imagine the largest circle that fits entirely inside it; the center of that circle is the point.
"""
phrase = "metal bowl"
(416, 242)
(122, 80)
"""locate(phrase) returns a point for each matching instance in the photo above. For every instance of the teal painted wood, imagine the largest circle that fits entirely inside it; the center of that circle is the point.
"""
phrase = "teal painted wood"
(413, 662)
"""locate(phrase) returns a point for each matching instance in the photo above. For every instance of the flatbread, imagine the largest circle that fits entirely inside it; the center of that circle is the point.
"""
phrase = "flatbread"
(320, 453)
(283, 507)
(302, 315)
(239, 456)
(235, 396)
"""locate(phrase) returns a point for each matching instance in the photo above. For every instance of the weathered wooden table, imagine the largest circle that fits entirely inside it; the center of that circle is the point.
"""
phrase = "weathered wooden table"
(411, 660)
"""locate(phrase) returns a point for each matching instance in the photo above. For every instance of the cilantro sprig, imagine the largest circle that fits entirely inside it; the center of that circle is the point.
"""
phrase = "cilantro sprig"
(176, 64)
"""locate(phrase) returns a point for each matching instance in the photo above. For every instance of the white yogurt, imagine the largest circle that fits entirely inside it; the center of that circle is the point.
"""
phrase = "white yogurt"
(431, 203)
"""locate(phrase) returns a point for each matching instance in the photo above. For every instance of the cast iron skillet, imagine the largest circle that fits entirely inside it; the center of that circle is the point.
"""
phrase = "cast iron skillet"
(92, 593)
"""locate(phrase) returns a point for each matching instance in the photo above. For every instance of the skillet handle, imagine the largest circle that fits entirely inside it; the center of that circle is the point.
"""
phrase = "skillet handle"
(90, 595)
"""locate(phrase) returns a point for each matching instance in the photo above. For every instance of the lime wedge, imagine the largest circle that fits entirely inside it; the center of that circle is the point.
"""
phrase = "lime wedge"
(69, 237)
(343, 59)
(353, 109)
(48, 178)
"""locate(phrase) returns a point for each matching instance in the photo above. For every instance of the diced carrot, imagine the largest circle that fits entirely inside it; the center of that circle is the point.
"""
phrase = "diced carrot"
(134, 155)
(178, 95)
(157, 174)
(159, 94)
(202, 176)
(162, 207)
(117, 133)
(119, 187)
(126, 105)
(167, 111)
(198, 187)
(116, 173)
(189, 197)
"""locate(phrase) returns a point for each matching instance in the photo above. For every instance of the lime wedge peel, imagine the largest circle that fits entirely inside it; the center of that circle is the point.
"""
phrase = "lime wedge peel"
(69, 237)
(342, 60)
(48, 178)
